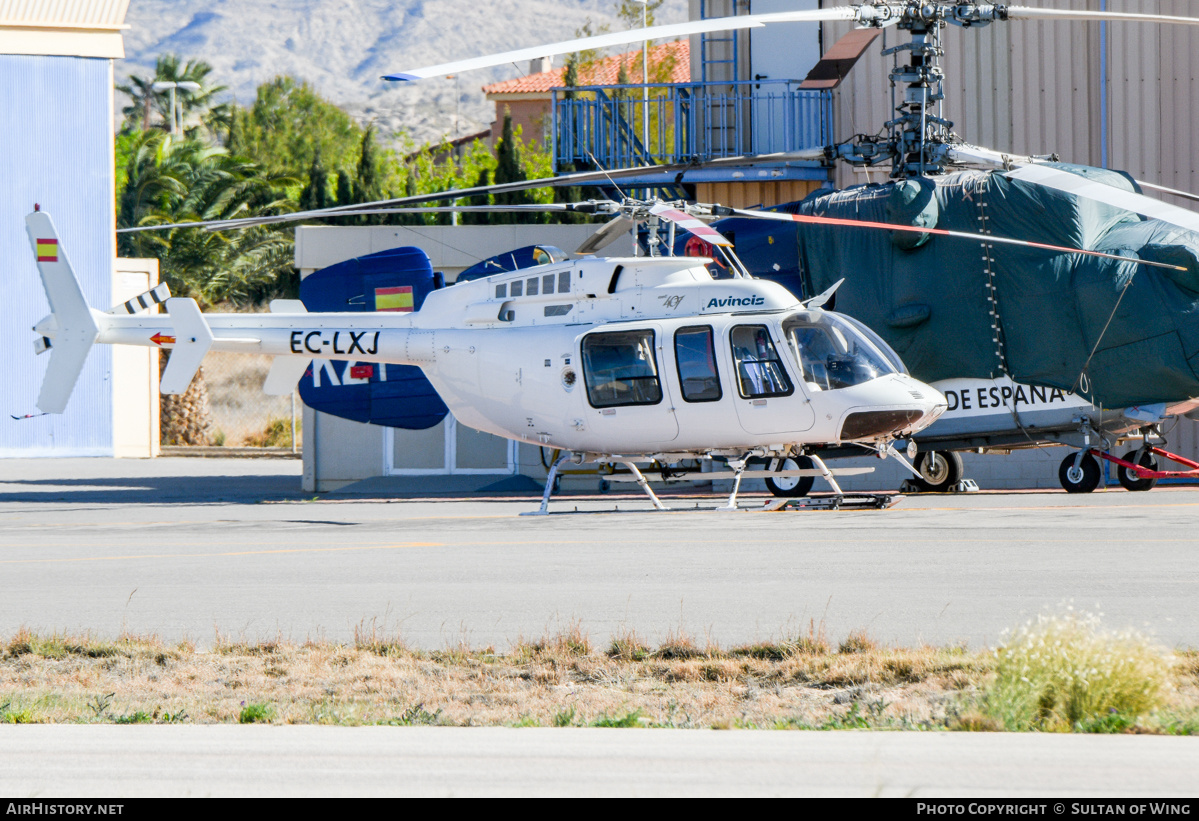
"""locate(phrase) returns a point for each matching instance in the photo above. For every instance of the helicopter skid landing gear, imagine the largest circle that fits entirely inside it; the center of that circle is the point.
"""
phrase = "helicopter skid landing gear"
(738, 467)
(793, 499)
(552, 484)
(645, 486)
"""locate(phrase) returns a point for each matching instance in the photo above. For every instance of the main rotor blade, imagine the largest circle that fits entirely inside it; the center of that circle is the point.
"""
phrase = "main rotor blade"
(850, 223)
(689, 223)
(1028, 13)
(350, 211)
(608, 233)
(964, 154)
(620, 38)
(835, 64)
(1117, 197)
(669, 174)
(1187, 195)
(1033, 169)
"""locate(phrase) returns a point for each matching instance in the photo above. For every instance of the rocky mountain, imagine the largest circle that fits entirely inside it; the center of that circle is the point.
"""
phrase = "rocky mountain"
(342, 47)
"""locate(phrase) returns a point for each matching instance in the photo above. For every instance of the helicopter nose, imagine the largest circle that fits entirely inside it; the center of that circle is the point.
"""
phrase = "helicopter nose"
(931, 402)
(908, 406)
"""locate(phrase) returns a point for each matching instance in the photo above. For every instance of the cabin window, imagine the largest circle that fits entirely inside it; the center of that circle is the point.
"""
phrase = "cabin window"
(620, 369)
(531, 286)
(759, 369)
(518, 288)
(836, 354)
(695, 355)
(564, 282)
(547, 284)
(501, 290)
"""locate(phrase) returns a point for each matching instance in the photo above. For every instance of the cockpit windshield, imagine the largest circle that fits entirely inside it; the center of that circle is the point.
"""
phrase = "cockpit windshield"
(833, 352)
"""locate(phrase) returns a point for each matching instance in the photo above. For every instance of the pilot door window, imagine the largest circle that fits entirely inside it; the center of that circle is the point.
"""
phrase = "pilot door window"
(759, 370)
(619, 369)
(695, 354)
(832, 357)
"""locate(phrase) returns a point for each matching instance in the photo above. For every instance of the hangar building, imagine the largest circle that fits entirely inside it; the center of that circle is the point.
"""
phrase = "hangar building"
(56, 129)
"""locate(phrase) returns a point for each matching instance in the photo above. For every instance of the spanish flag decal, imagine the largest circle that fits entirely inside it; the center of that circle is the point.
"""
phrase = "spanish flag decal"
(394, 299)
(47, 250)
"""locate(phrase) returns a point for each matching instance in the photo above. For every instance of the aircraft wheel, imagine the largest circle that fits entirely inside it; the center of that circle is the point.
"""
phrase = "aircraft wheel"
(1082, 479)
(791, 486)
(1129, 479)
(939, 470)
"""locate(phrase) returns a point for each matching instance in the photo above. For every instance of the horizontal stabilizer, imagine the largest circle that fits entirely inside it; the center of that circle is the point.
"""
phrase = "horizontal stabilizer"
(285, 373)
(193, 338)
(157, 295)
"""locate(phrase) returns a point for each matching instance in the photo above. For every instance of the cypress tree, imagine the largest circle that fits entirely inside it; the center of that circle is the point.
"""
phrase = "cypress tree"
(469, 218)
(366, 181)
(508, 169)
(345, 196)
(316, 193)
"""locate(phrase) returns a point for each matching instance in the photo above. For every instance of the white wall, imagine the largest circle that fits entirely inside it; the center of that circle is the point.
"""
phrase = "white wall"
(338, 452)
(135, 397)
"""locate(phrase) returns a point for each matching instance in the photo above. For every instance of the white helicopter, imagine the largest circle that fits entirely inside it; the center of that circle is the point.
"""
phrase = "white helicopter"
(1000, 398)
(606, 359)
(621, 359)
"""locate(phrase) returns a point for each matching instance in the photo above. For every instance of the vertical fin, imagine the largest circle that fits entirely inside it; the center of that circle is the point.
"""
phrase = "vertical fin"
(76, 329)
(284, 374)
(193, 338)
(285, 370)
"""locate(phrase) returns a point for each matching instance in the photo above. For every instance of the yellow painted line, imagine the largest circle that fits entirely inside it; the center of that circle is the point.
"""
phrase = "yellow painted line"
(1048, 507)
(558, 513)
(599, 540)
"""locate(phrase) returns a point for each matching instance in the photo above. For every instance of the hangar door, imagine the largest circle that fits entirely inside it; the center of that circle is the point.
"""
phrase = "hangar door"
(447, 448)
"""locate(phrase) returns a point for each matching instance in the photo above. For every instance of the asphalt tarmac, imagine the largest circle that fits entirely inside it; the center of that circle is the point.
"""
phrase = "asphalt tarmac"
(1067, 773)
(199, 548)
(193, 548)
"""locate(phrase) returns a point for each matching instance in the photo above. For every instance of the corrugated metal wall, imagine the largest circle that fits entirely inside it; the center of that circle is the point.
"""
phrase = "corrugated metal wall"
(56, 149)
(96, 12)
(1037, 88)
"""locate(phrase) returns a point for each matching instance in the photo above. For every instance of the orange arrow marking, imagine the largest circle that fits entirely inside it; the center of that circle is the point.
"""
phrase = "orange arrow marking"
(159, 339)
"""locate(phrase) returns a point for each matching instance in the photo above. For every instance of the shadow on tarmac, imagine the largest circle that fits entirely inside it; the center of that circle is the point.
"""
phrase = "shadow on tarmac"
(244, 489)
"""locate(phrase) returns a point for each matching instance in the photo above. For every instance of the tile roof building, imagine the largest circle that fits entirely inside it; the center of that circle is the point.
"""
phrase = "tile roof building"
(528, 98)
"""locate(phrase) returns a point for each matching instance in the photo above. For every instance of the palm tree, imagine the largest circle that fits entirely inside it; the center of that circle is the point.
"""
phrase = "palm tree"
(174, 180)
(151, 109)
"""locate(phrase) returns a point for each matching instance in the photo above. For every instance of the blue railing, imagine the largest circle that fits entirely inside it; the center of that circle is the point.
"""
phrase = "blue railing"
(608, 124)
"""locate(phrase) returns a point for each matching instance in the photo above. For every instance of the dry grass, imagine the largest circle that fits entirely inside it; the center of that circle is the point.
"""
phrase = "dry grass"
(558, 680)
(1064, 670)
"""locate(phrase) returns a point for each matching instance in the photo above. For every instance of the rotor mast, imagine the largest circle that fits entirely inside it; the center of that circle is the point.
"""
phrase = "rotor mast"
(918, 139)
